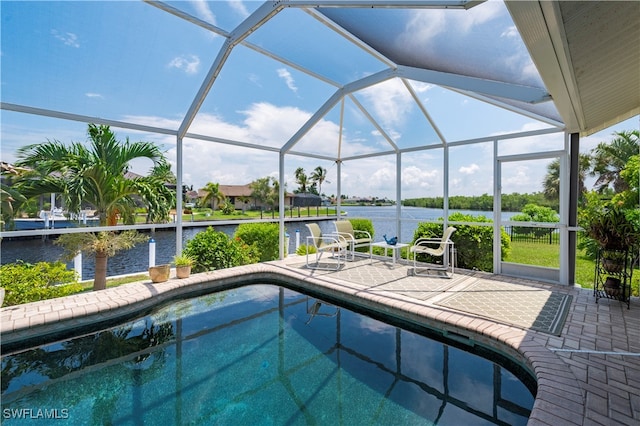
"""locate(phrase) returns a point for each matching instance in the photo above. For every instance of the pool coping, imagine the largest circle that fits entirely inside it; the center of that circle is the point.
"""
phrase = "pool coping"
(559, 398)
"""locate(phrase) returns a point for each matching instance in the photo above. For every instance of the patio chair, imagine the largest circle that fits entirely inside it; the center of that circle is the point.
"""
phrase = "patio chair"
(355, 237)
(436, 247)
(334, 244)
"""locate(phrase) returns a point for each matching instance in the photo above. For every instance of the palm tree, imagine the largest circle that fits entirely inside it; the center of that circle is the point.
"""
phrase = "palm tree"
(212, 194)
(301, 179)
(96, 175)
(103, 244)
(551, 182)
(319, 175)
(10, 198)
(609, 159)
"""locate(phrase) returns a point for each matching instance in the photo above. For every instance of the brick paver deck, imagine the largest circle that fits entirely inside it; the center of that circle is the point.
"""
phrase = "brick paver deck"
(588, 375)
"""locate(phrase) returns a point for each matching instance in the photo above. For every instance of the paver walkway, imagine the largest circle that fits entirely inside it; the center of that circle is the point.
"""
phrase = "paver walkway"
(589, 374)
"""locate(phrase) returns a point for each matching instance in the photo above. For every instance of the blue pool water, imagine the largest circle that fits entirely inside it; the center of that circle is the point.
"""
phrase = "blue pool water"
(258, 355)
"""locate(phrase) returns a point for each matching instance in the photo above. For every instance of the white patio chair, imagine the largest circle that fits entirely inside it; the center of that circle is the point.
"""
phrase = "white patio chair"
(436, 247)
(355, 237)
(334, 244)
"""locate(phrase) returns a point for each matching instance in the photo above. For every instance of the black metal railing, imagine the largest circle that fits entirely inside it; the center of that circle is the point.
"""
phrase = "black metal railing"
(533, 235)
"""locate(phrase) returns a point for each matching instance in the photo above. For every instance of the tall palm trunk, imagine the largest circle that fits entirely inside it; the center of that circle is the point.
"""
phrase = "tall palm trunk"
(100, 278)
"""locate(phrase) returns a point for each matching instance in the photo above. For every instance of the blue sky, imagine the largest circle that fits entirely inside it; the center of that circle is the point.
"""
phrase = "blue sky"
(130, 61)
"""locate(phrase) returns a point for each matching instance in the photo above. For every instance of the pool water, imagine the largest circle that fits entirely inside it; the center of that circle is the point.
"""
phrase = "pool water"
(258, 355)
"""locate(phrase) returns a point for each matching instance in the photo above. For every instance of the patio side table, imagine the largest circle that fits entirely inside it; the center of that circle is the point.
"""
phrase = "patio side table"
(395, 249)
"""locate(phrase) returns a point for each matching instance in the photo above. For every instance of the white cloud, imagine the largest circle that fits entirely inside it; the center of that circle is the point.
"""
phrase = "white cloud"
(263, 124)
(239, 7)
(421, 87)
(69, 39)
(414, 177)
(425, 25)
(189, 63)
(255, 79)
(272, 125)
(203, 11)
(94, 95)
(391, 102)
(520, 180)
(473, 168)
(510, 32)
(284, 74)
(382, 178)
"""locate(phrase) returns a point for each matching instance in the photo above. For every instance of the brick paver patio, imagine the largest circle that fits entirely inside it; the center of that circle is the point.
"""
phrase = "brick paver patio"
(589, 374)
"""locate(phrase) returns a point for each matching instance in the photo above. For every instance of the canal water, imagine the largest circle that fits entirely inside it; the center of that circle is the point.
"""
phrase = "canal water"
(137, 259)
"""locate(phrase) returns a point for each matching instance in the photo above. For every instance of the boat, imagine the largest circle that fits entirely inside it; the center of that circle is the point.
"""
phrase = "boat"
(54, 219)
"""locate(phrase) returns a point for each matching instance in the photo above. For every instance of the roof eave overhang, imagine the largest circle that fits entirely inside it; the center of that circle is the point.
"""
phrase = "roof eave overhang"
(547, 46)
(591, 99)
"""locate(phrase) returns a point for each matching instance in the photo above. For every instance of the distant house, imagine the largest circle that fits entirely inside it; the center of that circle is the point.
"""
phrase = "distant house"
(240, 197)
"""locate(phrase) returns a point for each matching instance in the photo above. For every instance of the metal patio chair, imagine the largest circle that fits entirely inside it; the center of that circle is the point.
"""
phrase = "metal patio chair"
(334, 244)
(442, 248)
(356, 238)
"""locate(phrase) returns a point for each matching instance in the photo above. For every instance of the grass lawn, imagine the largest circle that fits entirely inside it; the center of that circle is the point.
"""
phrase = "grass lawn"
(255, 214)
(547, 255)
(203, 215)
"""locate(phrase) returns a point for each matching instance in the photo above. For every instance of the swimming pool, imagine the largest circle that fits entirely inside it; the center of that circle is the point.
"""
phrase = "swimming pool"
(259, 354)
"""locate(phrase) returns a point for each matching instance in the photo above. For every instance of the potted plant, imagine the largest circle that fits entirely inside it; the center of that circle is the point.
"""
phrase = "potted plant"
(613, 228)
(612, 260)
(615, 231)
(159, 273)
(183, 264)
(612, 286)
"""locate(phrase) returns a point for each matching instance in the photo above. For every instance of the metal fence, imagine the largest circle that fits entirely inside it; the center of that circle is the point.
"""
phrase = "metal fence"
(533, 235)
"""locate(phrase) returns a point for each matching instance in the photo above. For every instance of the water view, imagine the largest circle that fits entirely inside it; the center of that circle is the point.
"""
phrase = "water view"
(137, 259)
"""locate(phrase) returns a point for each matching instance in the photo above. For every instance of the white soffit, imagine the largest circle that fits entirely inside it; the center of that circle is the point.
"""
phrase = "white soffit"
(588, 55)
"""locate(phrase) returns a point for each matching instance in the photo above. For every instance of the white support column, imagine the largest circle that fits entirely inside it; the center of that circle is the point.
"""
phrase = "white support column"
(445, 185)
(77, 265)
(283, 249)
(497, 210)
(152, 252)
(564, 199)
(399, 195)
(338, 187)
(179, 169)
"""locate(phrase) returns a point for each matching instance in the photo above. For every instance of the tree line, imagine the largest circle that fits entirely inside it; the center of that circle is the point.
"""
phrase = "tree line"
(614, 164)
(510, 202)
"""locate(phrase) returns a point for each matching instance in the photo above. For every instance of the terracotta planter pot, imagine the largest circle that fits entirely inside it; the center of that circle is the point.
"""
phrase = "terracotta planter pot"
(159, 273)
(183, 271)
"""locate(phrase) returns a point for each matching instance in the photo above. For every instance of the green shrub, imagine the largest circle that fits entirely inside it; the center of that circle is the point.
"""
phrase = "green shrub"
(303, 249)
(535, 213)
(213, 250)
(474, 243)
(227, 208)
(265, 236)
(26, 282)
(363, 225)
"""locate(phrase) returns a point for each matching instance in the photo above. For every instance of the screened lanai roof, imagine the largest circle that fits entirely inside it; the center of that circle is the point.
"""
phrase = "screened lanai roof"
(327, 79)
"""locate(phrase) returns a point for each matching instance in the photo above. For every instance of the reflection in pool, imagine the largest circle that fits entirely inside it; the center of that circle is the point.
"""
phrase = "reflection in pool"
(259, 354)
